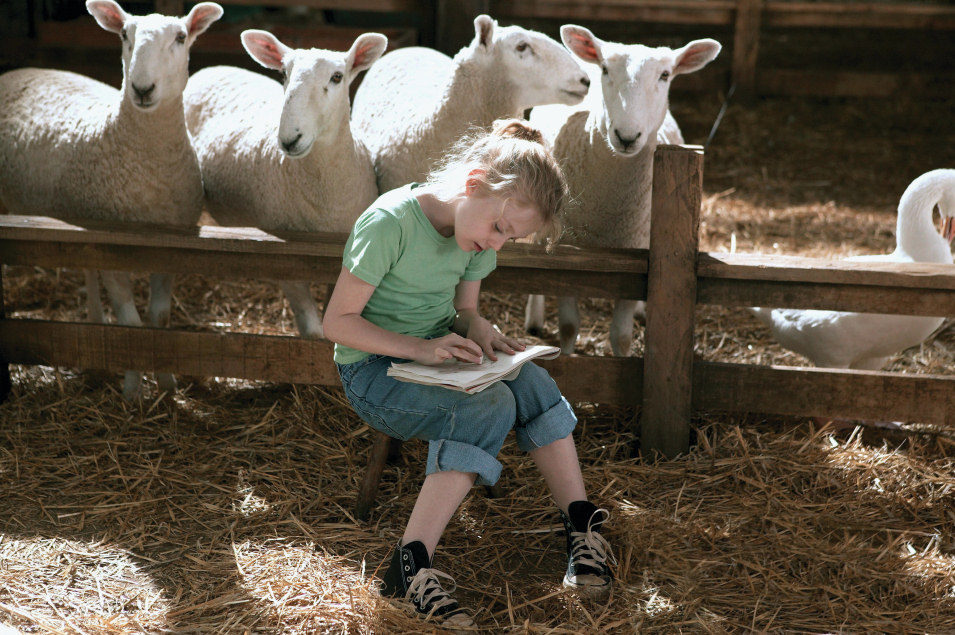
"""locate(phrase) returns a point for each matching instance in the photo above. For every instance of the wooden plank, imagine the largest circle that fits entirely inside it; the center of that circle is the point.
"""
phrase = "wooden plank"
(850, 394)
(841, 83)
(886, 15)
(170, 7)
(265, 357)
(713, 12)
(116, 348)
(921, 275)
(85, 34)
(16, 231)
(746, 45)
(794, 295)
(610, 380)
(377, 6)
(671, 299)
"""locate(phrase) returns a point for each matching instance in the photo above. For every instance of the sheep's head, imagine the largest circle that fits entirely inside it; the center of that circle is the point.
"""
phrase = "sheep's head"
(316, 85)
(635, 82)
(537, 69)
(155, 48)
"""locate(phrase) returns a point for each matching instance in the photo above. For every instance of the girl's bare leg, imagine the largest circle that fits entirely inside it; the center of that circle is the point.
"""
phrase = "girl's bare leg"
(440, 496)
(560, 468)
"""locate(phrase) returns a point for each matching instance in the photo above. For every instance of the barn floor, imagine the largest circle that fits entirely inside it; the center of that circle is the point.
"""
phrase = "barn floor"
(227, 508)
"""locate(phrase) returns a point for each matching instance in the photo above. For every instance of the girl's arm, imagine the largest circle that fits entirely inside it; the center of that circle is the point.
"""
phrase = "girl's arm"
(469, 323)
(344, 325)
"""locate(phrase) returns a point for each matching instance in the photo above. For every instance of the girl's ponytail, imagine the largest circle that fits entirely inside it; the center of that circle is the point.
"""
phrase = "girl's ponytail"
(517, 129)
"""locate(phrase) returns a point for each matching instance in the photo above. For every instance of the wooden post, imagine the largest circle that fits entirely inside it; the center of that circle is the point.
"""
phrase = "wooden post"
(454, 23)
(171, 7)
(671, 299)
(746, 45)
(369, 485)
(5, 383)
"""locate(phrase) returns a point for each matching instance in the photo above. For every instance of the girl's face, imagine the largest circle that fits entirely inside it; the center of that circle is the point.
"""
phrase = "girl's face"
(488, 221)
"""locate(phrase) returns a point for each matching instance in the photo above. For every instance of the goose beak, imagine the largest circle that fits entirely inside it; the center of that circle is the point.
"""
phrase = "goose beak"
(948, 229)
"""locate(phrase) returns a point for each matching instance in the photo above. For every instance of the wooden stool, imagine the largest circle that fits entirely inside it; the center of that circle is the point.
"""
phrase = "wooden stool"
(383, 450)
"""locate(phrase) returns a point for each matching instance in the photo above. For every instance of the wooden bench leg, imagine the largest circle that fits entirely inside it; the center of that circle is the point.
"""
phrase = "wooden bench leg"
(494, 491)
(369, 485)
(5, 384)
(394, 451)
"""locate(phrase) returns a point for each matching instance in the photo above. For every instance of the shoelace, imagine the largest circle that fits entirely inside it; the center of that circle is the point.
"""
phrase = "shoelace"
(426, 590)
(590, 548)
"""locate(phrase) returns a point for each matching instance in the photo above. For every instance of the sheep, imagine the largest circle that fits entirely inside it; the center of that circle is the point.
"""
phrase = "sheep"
(71, 146)
(605, 148)
(415, 103)
(284, 158)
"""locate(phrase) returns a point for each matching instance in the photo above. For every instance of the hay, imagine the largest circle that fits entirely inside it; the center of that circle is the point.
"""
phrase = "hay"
(228, 507)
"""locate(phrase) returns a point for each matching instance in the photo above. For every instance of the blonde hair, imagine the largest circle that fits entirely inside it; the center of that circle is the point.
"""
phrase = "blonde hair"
(512, 160)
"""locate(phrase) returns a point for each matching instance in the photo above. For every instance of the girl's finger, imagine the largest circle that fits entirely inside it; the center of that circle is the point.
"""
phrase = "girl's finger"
(467, 355)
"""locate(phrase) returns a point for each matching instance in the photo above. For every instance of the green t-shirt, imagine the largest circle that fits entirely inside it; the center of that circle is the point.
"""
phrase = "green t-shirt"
(414, 269)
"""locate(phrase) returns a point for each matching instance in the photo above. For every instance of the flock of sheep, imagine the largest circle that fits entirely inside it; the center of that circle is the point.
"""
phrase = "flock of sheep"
(297, 155)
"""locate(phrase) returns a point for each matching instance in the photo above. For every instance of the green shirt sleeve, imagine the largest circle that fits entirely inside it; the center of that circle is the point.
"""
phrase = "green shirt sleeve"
(373, 246)
(480, 265)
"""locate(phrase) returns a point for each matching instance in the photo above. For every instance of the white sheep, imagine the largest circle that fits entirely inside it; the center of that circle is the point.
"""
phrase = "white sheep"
(284, 158)
(73, 147)
(416, 102)
(605, 148)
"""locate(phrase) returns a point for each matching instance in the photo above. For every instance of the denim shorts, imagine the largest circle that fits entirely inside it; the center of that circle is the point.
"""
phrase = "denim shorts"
(465, 432)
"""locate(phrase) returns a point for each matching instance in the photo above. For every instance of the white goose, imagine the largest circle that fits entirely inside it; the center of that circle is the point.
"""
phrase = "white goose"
(868, 341)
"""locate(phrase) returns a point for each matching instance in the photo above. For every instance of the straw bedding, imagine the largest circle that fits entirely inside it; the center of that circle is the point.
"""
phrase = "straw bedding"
(227, 508)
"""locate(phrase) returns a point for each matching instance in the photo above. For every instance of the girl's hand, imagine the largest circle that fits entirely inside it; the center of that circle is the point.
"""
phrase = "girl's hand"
(490, 339)
(451, 346)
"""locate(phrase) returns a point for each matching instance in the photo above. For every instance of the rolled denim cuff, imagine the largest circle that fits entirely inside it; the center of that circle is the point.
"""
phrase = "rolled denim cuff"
(445, 455)
(551, 425)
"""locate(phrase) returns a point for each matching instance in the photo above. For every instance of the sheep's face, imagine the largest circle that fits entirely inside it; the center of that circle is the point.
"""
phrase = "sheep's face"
(316, 100)
(316, 81)
(536, 69)
(634, 83)
(155, 49)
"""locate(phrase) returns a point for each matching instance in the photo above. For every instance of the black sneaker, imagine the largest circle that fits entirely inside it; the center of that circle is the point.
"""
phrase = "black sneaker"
(587, 551)
(410, 577)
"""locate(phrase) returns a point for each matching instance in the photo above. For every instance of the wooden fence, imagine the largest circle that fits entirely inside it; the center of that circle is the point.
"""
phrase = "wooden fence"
(673, 276)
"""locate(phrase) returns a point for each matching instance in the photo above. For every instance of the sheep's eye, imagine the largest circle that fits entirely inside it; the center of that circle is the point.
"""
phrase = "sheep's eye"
(283, 76)
(181, 38)
(337, 77)
(665, 75)
(604, 69)
(522, 47)
(124, 35)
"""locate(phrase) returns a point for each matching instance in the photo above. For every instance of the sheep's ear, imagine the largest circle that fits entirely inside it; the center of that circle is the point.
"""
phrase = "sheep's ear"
(200, 18)
(264, 48)
(108, 14)
(696, 55)
(484, 30)
(364, 52)
(582, 43)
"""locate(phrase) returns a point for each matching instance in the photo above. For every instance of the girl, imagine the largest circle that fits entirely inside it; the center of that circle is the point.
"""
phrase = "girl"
(408, 289)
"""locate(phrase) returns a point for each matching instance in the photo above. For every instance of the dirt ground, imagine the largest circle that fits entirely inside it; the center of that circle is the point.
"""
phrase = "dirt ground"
(228, 507)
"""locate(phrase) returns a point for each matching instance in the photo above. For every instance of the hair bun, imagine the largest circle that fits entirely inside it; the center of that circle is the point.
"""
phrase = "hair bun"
(518, 129)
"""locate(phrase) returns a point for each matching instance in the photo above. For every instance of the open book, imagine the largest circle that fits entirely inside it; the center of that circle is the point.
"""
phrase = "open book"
(468, 377)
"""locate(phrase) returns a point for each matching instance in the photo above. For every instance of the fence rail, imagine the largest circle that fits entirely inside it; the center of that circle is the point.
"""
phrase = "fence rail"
(672, 276)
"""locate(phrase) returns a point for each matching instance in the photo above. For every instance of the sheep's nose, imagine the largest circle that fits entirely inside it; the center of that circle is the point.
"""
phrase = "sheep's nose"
(291, 143)
(585, 81)
(143, 93)
(624, 141)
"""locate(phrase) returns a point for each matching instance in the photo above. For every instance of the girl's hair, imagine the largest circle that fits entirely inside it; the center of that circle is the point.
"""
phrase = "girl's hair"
(513, 161)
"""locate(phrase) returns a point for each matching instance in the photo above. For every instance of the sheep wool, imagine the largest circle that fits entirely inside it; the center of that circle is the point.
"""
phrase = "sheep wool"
(416, 102)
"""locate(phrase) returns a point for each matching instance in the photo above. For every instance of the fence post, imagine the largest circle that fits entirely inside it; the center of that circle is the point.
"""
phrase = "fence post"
(671, 299)
(746, 45)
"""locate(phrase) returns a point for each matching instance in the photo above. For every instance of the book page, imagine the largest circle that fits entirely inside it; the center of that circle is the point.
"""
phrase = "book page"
(464, 374)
